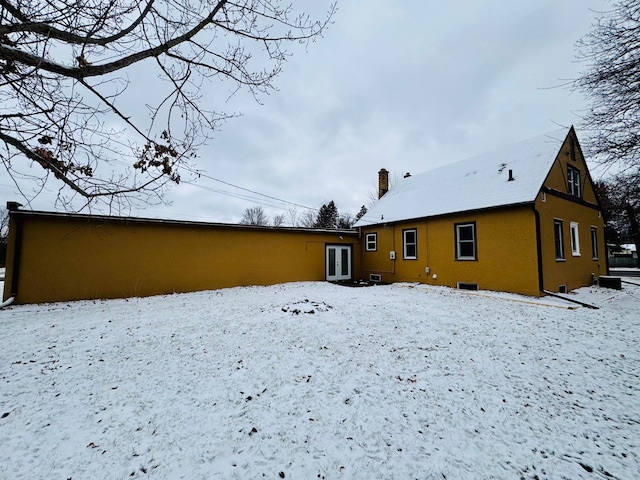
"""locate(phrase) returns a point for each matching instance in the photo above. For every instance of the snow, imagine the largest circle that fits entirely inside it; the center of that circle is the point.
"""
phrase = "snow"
(315, 380)
(475, 183)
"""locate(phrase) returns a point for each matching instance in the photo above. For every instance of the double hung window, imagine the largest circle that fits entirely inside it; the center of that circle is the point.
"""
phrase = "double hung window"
(466, 248)
(371, 242)
(594, 243)
(410, 244)
(559, 241)
(575, 239)
(573, 181)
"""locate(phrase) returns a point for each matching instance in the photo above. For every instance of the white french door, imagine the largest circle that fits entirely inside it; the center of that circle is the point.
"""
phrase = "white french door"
(338, 262)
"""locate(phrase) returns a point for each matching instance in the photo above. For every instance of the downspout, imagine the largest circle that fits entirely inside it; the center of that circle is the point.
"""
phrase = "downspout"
(538, 249)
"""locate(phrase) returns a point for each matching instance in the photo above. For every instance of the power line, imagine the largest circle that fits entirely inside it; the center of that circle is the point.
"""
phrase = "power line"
(286, 202)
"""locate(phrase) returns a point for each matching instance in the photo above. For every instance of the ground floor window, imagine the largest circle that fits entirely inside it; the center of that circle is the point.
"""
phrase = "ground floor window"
(594, 243)
(557, 233)
(465, 234)
(575, 239)
(410, 244)
(371, 242)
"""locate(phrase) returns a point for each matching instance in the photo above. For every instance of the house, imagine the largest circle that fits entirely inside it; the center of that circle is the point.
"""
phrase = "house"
(523, 219)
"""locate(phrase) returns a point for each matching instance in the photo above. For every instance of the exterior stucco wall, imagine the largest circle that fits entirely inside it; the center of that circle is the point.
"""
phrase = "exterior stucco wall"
(574, 270)
(81, 257)
(556, 202)
(506, 251)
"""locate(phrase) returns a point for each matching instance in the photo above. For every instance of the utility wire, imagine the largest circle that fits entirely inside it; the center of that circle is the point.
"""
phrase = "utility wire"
(286, 202)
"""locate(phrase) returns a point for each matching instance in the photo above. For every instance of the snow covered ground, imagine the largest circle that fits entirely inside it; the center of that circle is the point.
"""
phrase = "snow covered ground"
(319, 381)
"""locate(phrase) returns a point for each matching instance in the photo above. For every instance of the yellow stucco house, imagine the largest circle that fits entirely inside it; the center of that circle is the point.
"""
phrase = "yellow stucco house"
(522, 219)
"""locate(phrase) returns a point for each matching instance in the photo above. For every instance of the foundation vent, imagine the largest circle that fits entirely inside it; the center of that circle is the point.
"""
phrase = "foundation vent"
(467, 286)
(562, 289)
(375, 277)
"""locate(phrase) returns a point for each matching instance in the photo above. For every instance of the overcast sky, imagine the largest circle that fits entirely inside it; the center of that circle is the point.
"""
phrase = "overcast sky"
(407, 86)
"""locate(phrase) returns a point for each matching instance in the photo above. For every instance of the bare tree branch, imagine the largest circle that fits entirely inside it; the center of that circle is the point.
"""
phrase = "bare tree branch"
(64, 68)
(611, 82)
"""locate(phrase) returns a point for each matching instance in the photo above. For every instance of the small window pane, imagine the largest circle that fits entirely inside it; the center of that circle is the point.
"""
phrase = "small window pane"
(332, 261)
(344, 265)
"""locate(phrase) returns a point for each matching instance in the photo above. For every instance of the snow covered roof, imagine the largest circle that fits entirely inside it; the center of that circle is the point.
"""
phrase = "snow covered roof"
(475, 183)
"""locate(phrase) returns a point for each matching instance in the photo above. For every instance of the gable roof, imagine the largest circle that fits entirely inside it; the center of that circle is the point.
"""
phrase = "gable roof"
(476, 183)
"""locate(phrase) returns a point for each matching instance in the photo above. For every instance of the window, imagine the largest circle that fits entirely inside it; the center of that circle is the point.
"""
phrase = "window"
(575, 239)
(594, 243)
(465, 241)
(557, 233)
(371, 242)
(409, 244)
(573, 181)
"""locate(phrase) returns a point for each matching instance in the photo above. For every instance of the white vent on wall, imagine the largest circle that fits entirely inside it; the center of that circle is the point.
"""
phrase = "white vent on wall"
(375, 277)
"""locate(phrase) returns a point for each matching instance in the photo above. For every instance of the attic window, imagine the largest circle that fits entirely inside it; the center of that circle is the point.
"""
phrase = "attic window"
(573, 181)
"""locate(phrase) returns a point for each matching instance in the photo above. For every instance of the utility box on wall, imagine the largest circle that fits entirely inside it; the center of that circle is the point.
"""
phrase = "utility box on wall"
(392, 255)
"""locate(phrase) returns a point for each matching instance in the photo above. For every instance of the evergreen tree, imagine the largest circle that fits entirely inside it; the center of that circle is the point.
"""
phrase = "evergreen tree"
(363, 211)
(327, 216)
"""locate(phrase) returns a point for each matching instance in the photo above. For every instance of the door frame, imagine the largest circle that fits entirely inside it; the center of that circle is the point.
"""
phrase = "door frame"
(338, 264)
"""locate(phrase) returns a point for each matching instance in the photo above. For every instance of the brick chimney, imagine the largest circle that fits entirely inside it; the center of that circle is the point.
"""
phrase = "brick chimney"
(383, 182)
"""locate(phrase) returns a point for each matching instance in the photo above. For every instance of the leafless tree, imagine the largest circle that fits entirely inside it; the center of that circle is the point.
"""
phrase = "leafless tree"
(4, 225)
(307, 219)
(254, 216)
(279, 219)
(611, 81)
(65, 66)
(292, 213)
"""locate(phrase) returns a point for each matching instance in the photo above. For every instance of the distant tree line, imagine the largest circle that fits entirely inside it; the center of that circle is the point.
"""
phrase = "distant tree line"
(326, 217)
(620, 201)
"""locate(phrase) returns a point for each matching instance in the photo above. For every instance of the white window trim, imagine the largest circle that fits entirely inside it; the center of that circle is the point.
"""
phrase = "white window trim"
(575, 239)
(368, 241)
(574, 181)
(404, 244)
(594, 243)
(459, 255)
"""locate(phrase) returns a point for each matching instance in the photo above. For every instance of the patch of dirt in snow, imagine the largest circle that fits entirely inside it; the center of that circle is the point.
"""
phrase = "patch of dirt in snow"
(306, 306)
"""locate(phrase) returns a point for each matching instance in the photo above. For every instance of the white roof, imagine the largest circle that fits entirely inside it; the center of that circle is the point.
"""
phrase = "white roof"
(475, 183)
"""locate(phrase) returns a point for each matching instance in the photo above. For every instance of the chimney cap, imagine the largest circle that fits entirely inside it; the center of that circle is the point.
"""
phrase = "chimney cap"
(11, 206)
